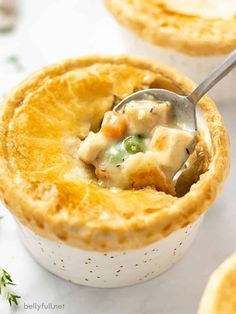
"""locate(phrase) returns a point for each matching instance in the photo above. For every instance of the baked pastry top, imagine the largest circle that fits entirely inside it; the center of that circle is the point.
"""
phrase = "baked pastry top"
(220, 294)
(190, 27)
(53, 192)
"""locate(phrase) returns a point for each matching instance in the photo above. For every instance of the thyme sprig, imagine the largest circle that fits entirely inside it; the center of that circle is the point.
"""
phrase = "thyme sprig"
(5, 281)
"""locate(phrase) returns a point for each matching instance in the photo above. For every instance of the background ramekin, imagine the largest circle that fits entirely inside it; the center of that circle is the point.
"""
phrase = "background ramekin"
(196, 68)
(110, 269)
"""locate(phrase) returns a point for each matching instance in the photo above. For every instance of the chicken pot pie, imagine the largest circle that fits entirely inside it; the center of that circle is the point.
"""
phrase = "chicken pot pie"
(196, 27)
(51, 185)
(220, 294)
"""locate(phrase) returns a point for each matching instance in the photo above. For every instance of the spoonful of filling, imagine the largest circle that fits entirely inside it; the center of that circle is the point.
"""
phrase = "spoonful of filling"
(139, 146)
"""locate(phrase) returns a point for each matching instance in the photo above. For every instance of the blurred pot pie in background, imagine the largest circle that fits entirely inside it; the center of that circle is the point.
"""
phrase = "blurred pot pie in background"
(191, 35)
(195, 27)
(57, 132)
(220, 294)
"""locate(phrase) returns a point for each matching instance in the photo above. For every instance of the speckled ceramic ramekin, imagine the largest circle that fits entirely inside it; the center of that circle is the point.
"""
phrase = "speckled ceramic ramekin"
(197, 68)
(111, 269)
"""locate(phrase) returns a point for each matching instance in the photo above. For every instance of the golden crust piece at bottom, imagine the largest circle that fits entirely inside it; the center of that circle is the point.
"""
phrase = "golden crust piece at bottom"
(153, 176)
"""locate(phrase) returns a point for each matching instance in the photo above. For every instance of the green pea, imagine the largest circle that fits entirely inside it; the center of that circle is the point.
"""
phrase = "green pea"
(134, 144)
(115, 154)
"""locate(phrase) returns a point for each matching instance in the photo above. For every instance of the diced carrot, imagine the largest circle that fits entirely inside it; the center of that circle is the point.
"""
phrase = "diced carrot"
(114, 124)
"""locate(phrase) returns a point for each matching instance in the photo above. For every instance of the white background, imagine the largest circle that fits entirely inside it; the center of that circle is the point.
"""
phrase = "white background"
(51, 30)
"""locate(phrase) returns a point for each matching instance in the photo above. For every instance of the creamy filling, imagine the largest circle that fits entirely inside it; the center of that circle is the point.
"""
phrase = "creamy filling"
(211, 9)
(140, 146)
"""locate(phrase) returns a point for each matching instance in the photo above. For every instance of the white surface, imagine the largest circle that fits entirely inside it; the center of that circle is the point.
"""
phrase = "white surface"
(50, 30)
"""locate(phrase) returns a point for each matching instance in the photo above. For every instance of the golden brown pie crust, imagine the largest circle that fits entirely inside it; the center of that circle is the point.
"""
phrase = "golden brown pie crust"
(220, 294)
(38, 172)
(195, 36)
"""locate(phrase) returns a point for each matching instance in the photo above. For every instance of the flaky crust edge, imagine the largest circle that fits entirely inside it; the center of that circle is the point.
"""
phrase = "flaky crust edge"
(184, 211)
(216, 286)
(187, 44)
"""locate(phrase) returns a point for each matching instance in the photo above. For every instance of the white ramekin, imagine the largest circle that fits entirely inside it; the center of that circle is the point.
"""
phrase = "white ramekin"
(111, 269)
(196, 68)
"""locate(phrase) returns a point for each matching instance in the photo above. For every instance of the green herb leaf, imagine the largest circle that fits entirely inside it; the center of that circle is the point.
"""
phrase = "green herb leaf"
(12, 298)
(15, 61)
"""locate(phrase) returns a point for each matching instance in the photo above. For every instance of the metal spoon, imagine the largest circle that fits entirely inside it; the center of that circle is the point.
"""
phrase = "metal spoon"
(185, 106)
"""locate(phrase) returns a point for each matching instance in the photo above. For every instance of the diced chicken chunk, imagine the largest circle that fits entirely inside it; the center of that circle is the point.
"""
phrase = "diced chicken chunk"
(171, 147)
(142, 116)
(92, 146)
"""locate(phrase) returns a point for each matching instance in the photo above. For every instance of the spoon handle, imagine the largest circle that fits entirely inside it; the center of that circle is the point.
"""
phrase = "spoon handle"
(213, 78)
